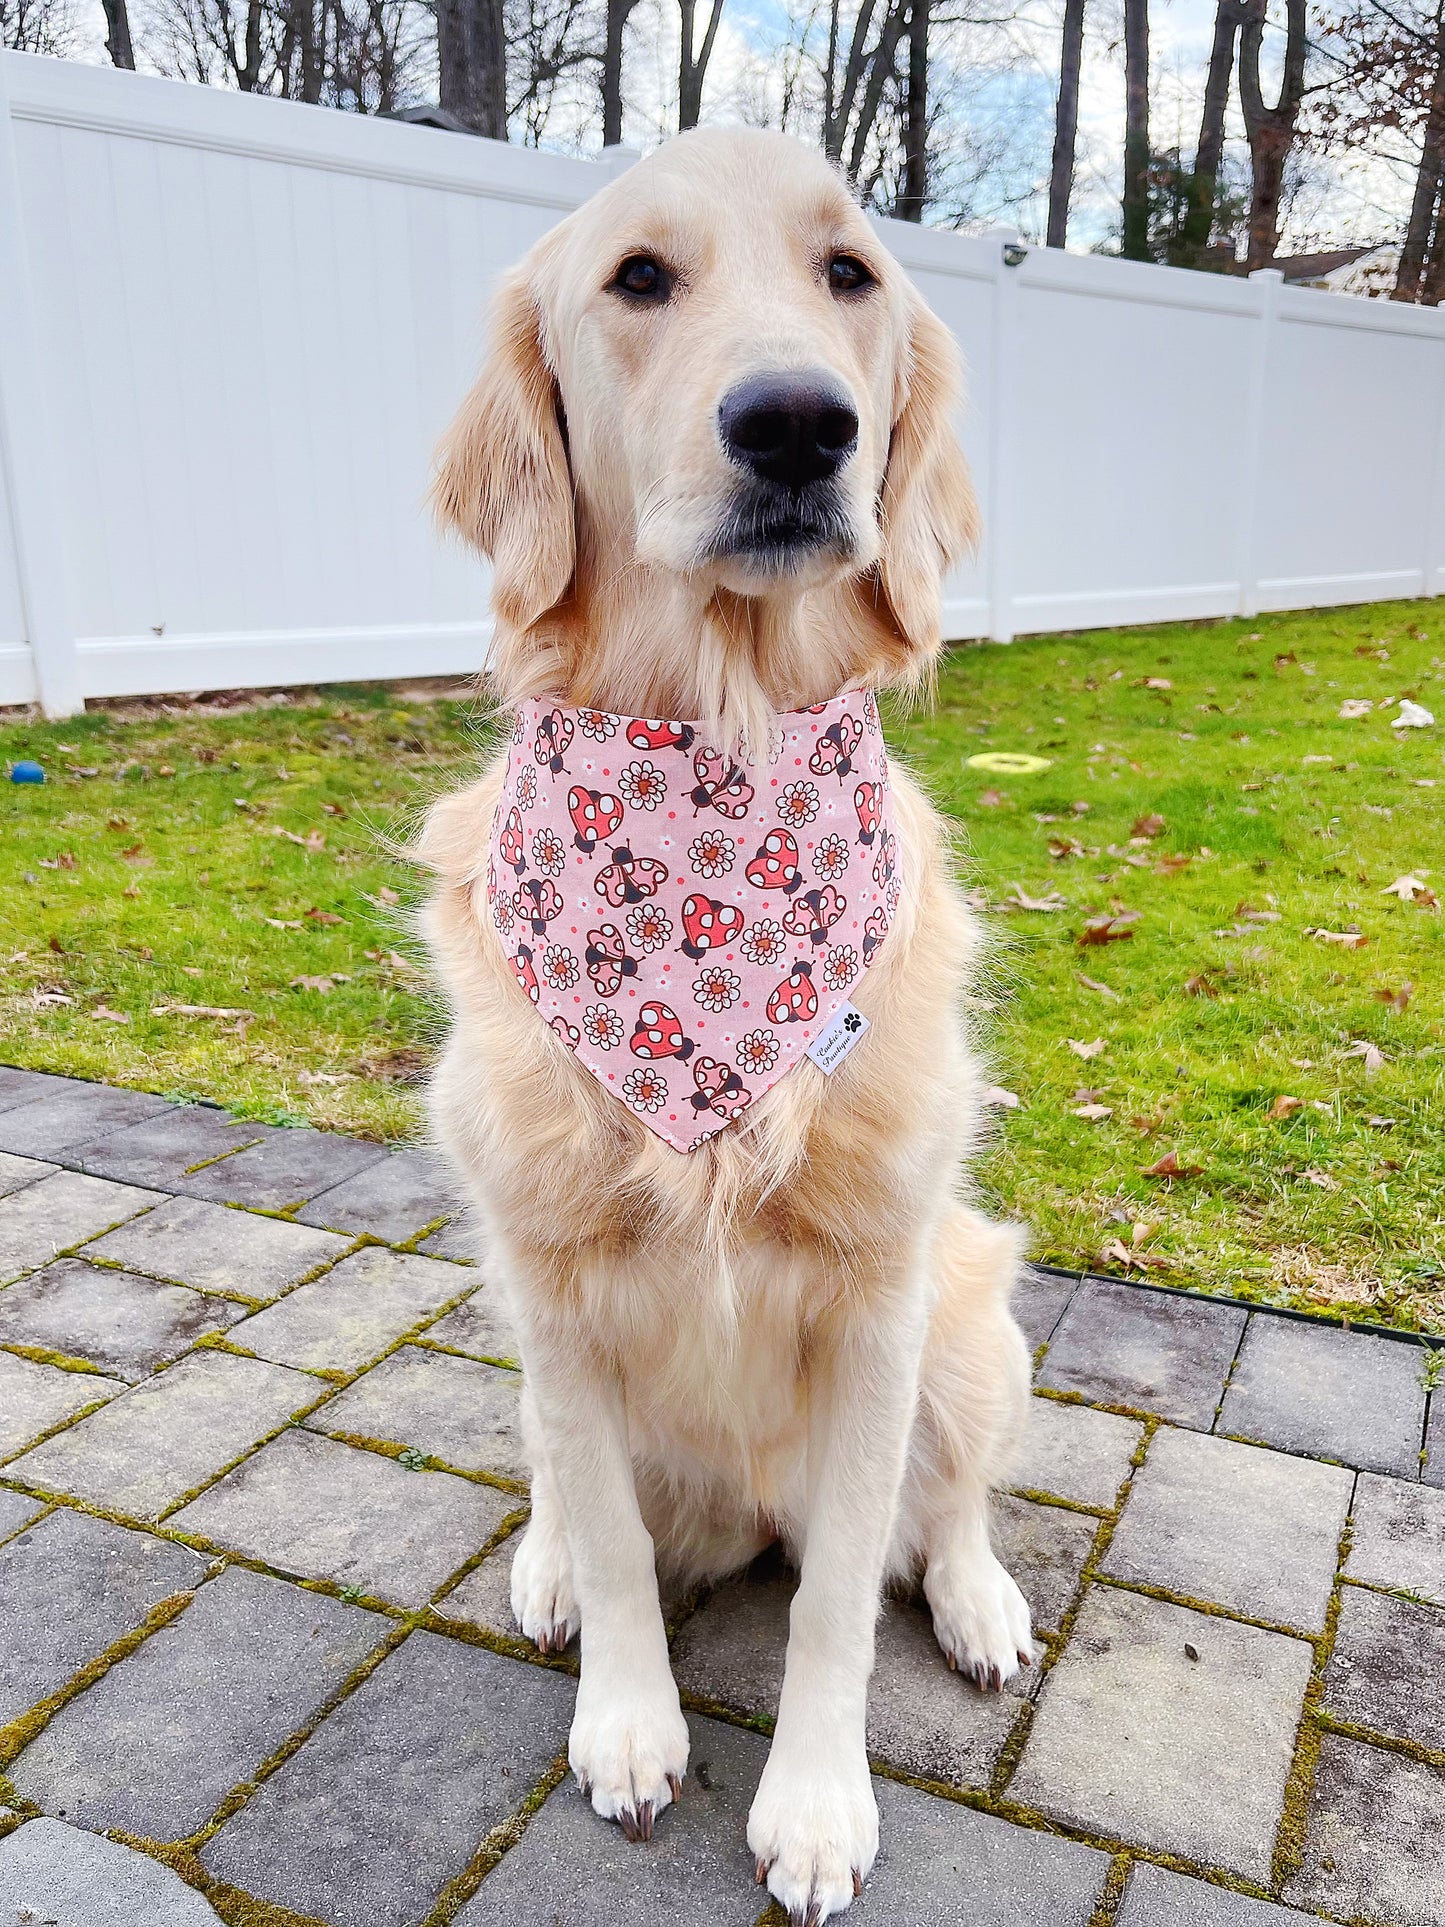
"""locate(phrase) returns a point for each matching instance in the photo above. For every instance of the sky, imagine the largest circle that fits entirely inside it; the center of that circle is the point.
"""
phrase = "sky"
(1005, 82)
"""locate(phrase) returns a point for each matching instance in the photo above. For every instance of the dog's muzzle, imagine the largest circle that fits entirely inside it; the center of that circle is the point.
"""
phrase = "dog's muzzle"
(791, 435)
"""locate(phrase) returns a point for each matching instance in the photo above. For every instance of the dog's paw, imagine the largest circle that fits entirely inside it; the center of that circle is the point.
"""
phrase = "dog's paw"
(628, 1748)
(980, 1618)
(813, 1829)
(543, 1602)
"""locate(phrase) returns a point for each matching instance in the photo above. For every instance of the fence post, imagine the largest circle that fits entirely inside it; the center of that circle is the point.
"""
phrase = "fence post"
(1269, 281)
(26, 446)
(998, 532)
(1433, 582)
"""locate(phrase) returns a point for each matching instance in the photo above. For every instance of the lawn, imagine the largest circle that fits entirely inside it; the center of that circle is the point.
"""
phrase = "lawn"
(1212, 1001)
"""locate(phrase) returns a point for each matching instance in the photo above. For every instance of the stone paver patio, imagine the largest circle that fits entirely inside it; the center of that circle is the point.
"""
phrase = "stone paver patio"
(259, 1485)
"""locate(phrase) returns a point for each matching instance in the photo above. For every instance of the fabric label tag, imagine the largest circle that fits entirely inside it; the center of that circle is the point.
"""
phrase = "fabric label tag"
(837, 1038)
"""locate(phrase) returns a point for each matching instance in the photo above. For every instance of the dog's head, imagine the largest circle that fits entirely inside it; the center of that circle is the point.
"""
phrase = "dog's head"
(714, 373)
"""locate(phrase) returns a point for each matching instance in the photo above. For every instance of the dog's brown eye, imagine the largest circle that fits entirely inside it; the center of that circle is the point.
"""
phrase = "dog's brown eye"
(847, 274)
(643, 278)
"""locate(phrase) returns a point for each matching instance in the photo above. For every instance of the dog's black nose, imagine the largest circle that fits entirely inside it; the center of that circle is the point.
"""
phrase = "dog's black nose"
(788, 429)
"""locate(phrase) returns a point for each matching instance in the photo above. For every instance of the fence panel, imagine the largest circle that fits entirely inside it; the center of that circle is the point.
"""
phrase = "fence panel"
(232, 328)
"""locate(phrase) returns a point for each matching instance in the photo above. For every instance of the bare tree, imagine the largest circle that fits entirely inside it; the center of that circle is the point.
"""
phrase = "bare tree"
(37, 26)
(1271, 130)
(693, 60)
(1421, 273)
(1066, 123)
(913, 192)
(619, 12)
(472, 64)
(1136, 130)
(1204, 186)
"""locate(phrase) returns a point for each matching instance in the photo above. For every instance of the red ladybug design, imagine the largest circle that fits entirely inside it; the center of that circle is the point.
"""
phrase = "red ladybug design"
(886, 860)
(814, 913)
(522, 969)
(719, 1089)
(607, 962)
(554, 733)
(651, 733)
(708, 925)
(511, 842)
(628, 878)
(721, 785)
(538, 902)
(659, 1033)
(868, 802)
(775, 867)
(795, 1000)
(569, 1033)
(836, 746)
(874, 931)
(594, 814)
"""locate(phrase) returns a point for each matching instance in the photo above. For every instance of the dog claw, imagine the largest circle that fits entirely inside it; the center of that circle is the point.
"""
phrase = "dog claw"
(761, 1873)
(1025, 1659)
(674, 1781)
(857, 1883)
(953, 1662)
(584, 1786)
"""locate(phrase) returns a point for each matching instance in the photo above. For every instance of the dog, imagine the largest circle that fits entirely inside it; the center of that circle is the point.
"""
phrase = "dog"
(711, 459)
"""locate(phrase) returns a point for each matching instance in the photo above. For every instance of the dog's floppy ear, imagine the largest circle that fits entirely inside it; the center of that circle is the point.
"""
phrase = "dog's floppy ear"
(503, 480)
(929, 517)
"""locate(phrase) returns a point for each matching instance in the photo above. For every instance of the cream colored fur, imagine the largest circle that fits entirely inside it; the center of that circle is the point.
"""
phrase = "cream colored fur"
(799, 1331)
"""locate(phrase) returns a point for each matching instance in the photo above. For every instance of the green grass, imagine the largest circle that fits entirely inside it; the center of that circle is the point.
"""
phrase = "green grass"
(189, 886)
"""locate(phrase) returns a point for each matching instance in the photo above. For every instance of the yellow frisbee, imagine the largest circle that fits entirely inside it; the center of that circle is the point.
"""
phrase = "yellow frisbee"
(1008, 762)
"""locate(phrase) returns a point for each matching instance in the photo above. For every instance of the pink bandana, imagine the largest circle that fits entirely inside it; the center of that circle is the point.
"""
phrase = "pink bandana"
(687, 924)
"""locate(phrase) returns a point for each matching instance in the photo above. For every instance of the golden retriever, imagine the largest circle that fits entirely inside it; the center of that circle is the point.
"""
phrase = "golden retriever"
(711, 459)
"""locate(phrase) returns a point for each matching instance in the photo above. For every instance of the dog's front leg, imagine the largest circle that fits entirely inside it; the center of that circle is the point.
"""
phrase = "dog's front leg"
(814, 1820)
(628, 1745)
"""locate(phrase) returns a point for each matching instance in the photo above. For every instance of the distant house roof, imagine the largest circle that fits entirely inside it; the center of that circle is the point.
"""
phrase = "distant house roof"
(1314, 267)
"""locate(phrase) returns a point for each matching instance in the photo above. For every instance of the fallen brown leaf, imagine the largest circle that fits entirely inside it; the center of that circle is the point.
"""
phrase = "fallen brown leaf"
(313, 842)
(1347, 939)
(1107, 929)
(1169, 866)
(1396, 1000)
(990, 799)
(996, 1098)
(322, 916)
(321, 984)
(1148, 826)
(1169, 1167)
(1095, 1113)
(1086, 1051)
(1019, 899)
(1380, 1123)
(1129, 1256)
(1200, 986)
(1063, 847)
(1373, 1056)
(283, 923)
(1284, 1107)
(1321, 1180)
(104, 1014)
(1092, 983)
(1412, 889)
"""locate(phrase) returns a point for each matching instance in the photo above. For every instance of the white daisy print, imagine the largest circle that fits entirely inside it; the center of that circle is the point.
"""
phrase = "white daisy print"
(757, 1052)
(549, 853)
(830, 859)
(596, 724)
(559, 967)
(717, 989)
(643, 784)
(649, 927)
(763, 942)
(645, 1089)
(798, 805)
(712, 853)
(604, 1027)
(840, 966)
(526, 786)
(502, 914)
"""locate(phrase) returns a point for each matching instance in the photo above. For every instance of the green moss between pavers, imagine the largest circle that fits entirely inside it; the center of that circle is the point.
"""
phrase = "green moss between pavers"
(62, 1361)
(459, 1890)
(1110, 1900)
(176, 874)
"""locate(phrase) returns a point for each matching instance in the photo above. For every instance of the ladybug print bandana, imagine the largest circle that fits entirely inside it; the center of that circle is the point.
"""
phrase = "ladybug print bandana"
(688, 922)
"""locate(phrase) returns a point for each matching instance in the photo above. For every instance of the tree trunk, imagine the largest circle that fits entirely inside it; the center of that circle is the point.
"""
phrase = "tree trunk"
(1416, 249)
(1203, 188)
(472, 64)
(618, 13)
(1066, 123)
(692, 69)
(117, 34)
(1271, 130)
(880, 68)
(914, 190)
(1136, 130)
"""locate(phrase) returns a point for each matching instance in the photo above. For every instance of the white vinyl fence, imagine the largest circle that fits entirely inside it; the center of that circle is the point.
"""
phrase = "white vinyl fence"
(232, 328)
